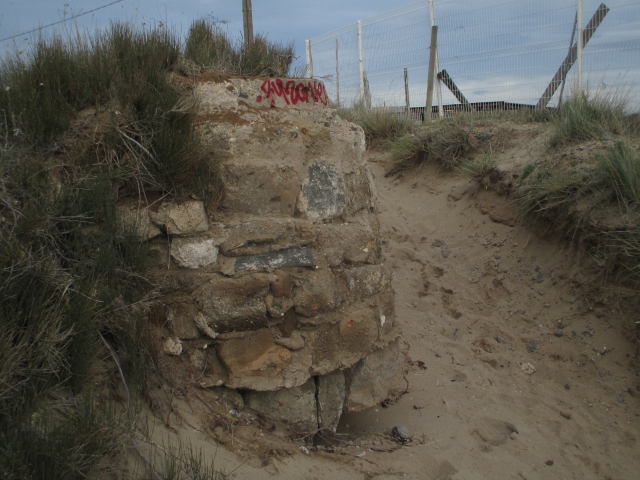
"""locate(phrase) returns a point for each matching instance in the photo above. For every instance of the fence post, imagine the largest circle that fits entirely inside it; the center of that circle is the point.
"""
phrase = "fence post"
(337, 76)
(432, 13)
(580, 43)
(247, 16)
(309, 60)
(432, 66)
(360, 61)
(406, 91)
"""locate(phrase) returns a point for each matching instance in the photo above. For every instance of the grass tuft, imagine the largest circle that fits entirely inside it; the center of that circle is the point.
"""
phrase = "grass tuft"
(380, 126)
(445, 144)
(210, 47)
(591, 117)
(477, 168)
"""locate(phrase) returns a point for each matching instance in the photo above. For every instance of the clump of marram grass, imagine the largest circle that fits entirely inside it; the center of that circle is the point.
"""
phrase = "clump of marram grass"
(590, 117)
(619, 169)
(380, 126)
(477, 168)
(209, 46)
(579, 202)
(444, 144)
(84, 121)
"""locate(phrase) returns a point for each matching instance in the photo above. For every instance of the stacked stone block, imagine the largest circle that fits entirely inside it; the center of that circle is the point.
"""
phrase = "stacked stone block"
(280, 293)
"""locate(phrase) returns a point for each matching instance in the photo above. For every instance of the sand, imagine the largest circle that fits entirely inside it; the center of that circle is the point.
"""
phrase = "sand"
(523, 368)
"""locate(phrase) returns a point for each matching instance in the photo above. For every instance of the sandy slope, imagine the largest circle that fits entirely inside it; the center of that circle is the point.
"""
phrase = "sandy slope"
(477, 299)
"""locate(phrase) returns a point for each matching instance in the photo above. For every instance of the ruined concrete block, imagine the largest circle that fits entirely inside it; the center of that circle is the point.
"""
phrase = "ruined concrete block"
(352, 243)
(361, 191)
(259, 189)
(358, 334)
(180, 321)
(331, 391)
(370, 380)
(194, 252)
(234, 304)
(316, 293)
(255, 362)
(296, 407)
(367, 280)
(263, 236)
(291, 257)
(323, 194)
(181, 219)
(137, 221)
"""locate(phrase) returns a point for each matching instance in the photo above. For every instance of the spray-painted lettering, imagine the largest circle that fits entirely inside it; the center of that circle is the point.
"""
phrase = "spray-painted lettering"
(293, 93)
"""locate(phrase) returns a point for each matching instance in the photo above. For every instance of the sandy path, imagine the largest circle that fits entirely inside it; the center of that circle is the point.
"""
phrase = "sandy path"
(501, 297)
(475, 300)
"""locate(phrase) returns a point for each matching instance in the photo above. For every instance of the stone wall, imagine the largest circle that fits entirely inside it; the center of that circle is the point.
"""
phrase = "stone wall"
(280, 293)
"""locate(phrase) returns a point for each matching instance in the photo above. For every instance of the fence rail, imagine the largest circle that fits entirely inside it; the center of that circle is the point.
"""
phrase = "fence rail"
(493, 51)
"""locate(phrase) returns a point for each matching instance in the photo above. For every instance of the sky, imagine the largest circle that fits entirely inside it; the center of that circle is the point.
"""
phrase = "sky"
(282, 20)
(495, 49)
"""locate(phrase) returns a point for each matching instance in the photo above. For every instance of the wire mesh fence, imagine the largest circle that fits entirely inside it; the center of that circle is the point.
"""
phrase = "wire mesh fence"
(498, 53)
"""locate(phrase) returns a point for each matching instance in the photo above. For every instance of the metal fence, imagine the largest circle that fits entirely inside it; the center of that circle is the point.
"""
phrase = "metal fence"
(499, 53)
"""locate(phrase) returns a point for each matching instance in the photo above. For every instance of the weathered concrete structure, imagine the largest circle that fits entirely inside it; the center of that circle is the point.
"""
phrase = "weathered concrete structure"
(280, 293)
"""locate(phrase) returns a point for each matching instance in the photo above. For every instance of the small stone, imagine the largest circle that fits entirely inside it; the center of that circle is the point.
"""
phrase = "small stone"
(438, 355)
(521, 311)
(446, 253)
(500, 339)
(606, 138)
(496, 256)
(540, 278)
(401, 433)
(558, 333)
(549, 462)
(567, 386)
(437, 243)
(418, 406)
(547, 305)
(621, 398)
(532, 347)
(528, 368)
(566, 415)
(172, 346)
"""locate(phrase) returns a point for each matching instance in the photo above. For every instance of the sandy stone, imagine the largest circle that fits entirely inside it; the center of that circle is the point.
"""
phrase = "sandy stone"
(331, 395)
(296, 407)
(255, 362)
(370, 380)
(181, 219)
(194, 252)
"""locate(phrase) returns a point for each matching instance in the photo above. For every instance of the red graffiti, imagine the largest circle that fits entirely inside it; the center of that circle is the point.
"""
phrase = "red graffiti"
(292, 93)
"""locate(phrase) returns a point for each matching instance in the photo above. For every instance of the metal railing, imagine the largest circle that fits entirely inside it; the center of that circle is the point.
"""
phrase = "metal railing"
(493, 55)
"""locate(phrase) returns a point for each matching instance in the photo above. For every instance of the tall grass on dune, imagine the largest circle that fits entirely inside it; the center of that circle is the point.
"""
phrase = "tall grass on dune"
(208, 46)
(381, 126)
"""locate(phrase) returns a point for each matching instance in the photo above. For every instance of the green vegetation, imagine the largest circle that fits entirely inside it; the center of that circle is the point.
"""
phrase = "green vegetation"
(380, 126)
(478, 167)
(447, 144)
(84, 122)
(208, 46)
(579, 202)
(591, 117)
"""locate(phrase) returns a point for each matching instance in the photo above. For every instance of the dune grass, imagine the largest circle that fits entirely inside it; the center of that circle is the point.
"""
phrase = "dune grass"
(86, 120)
(381, 126)
(208, 46)
(446, 143)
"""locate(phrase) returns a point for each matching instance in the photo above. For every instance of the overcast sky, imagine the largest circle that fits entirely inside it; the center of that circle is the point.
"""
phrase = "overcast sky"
(282, 20)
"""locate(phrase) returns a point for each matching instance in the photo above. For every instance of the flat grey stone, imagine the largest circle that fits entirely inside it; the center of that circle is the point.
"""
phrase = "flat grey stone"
(290, 257)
